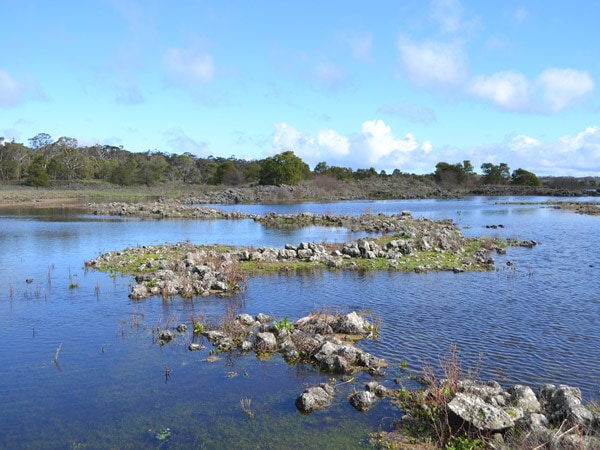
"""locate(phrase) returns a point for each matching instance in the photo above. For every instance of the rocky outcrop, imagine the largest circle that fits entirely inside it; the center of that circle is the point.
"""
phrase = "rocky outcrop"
(554, 418)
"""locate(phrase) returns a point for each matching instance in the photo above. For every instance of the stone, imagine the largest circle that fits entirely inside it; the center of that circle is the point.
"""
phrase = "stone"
(195, 347)
(473, 410)
(265, 342)
(316, 397)
(524, 398)
(363, 400)
(165, 335)
(245, 319)
(263, 318)
(351, 323)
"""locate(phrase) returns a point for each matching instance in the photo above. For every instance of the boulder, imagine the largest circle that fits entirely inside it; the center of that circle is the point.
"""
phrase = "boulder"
(315, 397)
(564, 403)
(363, 400)
(351, 324)
(471, 409)
(265, 342)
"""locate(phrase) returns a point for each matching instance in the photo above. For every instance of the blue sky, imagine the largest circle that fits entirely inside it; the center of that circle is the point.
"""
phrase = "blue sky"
(386, 84)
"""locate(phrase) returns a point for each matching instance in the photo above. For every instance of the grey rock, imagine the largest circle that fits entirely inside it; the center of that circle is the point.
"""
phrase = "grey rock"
(363, 400)
(316, 397)
(473, 410)
(265, 342)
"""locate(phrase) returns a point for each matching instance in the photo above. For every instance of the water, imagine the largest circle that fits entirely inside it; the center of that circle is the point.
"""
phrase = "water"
(534, 322)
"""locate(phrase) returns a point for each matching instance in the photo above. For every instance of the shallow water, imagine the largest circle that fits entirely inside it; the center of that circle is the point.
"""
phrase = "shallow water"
(534, 322)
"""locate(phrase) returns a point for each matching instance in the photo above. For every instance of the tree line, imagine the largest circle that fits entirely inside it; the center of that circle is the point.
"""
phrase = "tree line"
(46, 160)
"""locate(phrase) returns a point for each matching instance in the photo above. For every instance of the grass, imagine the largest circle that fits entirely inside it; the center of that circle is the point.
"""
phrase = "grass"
(430, 425)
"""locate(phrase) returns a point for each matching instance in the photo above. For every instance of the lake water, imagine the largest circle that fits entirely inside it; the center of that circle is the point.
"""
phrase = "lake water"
(536, 321)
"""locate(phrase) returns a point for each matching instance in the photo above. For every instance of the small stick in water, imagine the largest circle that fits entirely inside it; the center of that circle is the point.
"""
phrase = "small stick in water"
(57, 352)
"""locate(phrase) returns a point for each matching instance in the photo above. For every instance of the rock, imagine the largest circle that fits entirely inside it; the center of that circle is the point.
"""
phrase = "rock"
(182, 328)
(523, 397)
(165, 335)
(195, 347)
(138, 292)
(245, 319)
(316, 397)
(473, 410)
(265, 342)
(363, 400)
(378, 389)
(351, 324)
(564, 403)
(263, 318)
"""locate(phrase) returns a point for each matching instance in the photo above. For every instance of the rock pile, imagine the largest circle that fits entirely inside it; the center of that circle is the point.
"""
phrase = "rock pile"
(554, 418)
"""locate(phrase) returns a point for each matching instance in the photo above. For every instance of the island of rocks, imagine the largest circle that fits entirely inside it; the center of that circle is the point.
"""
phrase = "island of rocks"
(402, 243)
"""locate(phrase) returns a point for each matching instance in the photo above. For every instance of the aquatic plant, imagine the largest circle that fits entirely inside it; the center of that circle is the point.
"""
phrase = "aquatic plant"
(198, 327)
(283, 325)
(246, 404)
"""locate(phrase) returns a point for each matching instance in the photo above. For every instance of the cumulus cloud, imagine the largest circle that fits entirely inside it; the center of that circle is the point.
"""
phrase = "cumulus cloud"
(190, 67)
(559, 88)
(333, 143)
(375, 145)
(433, 63)
(552, 92)
(571, 155)
(507, 90)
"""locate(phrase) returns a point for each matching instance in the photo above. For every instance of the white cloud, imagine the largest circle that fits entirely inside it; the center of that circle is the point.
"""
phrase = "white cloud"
(375, 145)
(559, 88)
(552, 92)
(507, 90)
(571, 155)
(287, 137)
(522, 143)
(333, 143)
(191, 67)
(433, 63)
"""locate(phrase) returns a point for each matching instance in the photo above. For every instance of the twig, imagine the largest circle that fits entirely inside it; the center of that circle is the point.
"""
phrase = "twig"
(56, 354)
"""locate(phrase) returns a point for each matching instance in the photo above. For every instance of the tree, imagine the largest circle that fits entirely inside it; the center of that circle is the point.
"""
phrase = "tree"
(284, 168)
(40, 141)
(451, 174)
(495, 174)
(225, 173)
(522, 177)
(36, 173)
(13, 157)
(362, 174)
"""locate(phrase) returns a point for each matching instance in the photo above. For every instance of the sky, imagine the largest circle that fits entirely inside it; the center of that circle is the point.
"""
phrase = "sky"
(387, 84)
